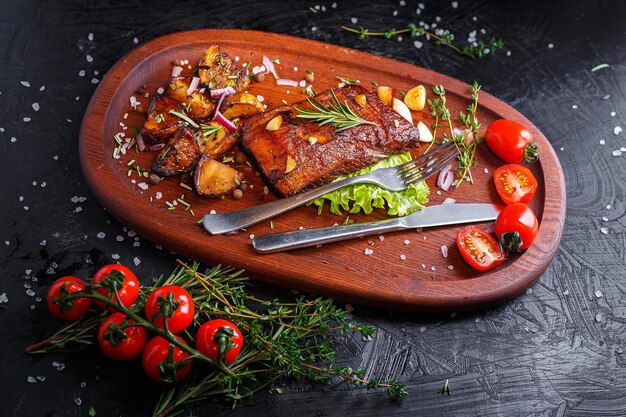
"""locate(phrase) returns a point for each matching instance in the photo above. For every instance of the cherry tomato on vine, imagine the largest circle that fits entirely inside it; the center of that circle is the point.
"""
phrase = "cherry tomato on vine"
(515, 184)
(516, 227)
(511, 141)
(159, 355)
(118, 341)
(67, 309)
(479, 249)
(126, 282)
(219, 339)
(179, 308)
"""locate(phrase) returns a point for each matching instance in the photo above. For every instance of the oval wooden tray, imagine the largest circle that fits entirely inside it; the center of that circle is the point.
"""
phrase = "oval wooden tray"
(424, 281)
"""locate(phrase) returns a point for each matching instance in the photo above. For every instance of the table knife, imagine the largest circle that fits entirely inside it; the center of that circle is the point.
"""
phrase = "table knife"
(440, 215)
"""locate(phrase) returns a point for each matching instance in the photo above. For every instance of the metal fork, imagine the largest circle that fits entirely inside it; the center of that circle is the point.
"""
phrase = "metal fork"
(395, 178)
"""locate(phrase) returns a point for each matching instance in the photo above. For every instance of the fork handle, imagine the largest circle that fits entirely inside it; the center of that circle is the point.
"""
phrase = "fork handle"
(278, 242)
(217, 224)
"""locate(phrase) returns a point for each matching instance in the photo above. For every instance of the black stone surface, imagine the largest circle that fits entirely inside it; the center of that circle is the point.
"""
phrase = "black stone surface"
(557, 350)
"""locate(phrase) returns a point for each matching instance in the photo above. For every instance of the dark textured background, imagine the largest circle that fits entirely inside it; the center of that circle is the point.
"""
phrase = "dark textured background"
(557, 350)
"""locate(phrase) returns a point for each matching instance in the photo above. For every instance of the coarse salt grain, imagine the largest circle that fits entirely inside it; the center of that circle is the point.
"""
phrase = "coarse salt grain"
(89, 58)
(368, 251)
(613, 114)
(455, 4)
(135, 40)
(35, 106)
(13, 139)
(574, 106)
(354, 20)
(403, 257)
(27, 119)
(602, 142)
(119, 238)
(101, 235)
(418, 44)
(251, 236)
(95, 81)
(604, 230)
(25, 83)
(143, 185)
(617, 152)
(617, 130)
(407, 241)
(444, 251)
(81, 73)
(599, 294)
(136, 261)
(381, 238)
(115, 256)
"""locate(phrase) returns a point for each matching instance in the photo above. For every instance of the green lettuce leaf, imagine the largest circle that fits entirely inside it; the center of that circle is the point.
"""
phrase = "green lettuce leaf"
(366, 197)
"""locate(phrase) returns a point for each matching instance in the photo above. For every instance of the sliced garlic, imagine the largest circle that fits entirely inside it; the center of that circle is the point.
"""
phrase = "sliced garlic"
(275, 123)
(425, 133)
(291, 164)
(402, 110)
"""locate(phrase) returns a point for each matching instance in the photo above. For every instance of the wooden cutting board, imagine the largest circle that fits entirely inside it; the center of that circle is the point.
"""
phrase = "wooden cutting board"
(424, 281)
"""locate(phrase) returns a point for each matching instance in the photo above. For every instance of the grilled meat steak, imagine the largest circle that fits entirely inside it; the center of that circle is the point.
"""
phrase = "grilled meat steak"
(300, 155)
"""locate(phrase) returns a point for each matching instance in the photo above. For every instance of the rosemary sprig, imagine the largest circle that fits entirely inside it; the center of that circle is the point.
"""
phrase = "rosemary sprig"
(445, 39)
(337, 114)
(283, 339)
(184, 117)
(467, 140)
(208, 130)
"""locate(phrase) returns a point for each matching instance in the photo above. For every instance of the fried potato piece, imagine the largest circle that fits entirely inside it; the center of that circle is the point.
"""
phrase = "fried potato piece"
(160, 124)
(214, 179)
(198, 105)
(217, 70)
(241, 105)
(179, 155)
(215, 140)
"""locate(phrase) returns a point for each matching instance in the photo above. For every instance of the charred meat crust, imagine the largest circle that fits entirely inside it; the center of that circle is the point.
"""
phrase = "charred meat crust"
(321, 153)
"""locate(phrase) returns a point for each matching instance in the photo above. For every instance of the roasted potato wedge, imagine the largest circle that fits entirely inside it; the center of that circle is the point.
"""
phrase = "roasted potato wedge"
(179, 155)
(217, 70)
(213, 178)
(198, 105)
(215, 140)
(241, 105)
(160, 124)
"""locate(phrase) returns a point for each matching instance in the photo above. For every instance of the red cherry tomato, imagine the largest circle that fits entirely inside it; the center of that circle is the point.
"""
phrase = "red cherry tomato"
(479, 249)
(128, 289)
(121, 344)
(218, 332)
(155, 356)
(515, 184)
(67, 309)
(181, 317)
(511, 141)
(516, 218)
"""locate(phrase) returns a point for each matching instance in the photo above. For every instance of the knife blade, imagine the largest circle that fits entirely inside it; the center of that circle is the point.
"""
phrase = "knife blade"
(440, 215)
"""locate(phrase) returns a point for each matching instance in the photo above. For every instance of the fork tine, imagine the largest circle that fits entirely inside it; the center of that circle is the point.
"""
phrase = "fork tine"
(427, 156)
(428, 171)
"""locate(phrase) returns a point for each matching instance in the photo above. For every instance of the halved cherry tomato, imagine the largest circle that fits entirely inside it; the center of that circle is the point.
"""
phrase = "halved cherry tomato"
(120, 276)
(479, 249)
(516, 227)
(179, 317)
(511, 141)
(220, 340)
(118, 341)
(64, 308)
(160, 365)
(515, 184)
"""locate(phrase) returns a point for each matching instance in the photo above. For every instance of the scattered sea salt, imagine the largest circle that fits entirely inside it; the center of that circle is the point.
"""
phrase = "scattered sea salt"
(617, 152)
(89, 58)
(90, 36)
(550, 45)
(599, 317)
(407, 241)
(599, 294)
(135, 40)
(444, 251)
(334, 5)
(529, 291)
(101, 235)
(602, 142)
(574, 106)
(3, 296)
(13, 139)
(119, 238)
(25, 83)
(36, 106)
(617, 130)
(450, 267)
(354, 20)
(95, 80)
(136, 261)
(403, 257)
(604, 230)
(381, 238)
(81, 73)
(213, 212)
(115, 256)
(368, 251)
(613, 114)
(432, 268)
(78, 401)
(418, 44)
(27, 119)
(143, 185)
(43, 242)
(606, 219)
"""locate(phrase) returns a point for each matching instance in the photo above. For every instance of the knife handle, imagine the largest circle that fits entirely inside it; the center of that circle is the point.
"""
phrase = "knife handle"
(217, 224)
(278, 242)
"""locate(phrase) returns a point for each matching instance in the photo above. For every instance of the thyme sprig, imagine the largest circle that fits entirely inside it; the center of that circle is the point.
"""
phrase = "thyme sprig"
(445, 39)
(467, 140)
(283, 339)
(337, 114)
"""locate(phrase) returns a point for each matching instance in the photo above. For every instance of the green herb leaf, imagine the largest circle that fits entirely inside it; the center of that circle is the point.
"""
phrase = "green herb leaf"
(31, 380)
(92, 412)
(337, 114)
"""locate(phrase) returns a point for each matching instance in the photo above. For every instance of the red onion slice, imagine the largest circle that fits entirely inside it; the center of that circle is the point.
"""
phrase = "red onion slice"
(176, 70)
(445, 178)
(140, 143)
(219, 117)
(156, 147)
(284, 81)
(222, 92)
(193, 85)
(270, 66)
